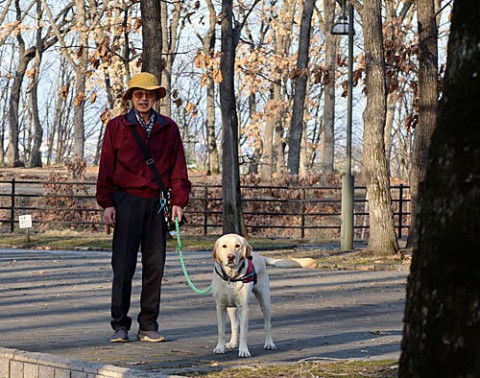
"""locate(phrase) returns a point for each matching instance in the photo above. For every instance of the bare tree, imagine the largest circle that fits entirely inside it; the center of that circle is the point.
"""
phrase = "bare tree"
(328, 140)
(171, 32)
(35, 154)
(382, 240)
(301, 76)
(275, 110)
(277, 104)
(62, 128)
(4, 113)
(208, 45)
(232, 199)
(80, 77)
(442, 326)
(25, 55)
(80, 68)
(113, 56)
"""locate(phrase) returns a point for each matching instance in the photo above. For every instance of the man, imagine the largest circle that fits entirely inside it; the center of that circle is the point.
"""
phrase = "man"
(129, 193)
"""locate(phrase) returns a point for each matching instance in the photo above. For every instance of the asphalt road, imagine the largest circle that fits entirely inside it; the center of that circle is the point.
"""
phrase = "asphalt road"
(58, 302)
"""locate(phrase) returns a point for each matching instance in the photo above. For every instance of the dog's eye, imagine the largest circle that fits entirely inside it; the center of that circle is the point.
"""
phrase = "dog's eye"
(237, 246)
(224, 246)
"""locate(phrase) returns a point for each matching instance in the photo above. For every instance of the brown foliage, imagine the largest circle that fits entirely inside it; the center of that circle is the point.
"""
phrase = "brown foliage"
(67, 205)
(76, 167)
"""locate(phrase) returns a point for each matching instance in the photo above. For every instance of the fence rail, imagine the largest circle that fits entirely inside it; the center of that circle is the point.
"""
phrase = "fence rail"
(274, 211)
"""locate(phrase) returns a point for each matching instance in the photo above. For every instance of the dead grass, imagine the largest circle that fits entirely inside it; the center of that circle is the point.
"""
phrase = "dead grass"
(346, 369)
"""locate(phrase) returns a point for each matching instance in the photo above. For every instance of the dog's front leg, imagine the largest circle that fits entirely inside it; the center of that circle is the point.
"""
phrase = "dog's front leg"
(232, 314)
(243, 348)
(221, 322)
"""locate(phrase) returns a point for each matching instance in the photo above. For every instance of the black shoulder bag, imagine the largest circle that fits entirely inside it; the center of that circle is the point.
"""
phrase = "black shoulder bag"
(165, 194)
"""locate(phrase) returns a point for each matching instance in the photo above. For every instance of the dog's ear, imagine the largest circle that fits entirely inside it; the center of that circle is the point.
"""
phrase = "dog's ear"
(247, 249)
(214, 252)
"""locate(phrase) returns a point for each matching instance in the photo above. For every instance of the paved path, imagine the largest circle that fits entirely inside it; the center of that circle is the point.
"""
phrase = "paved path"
(58, 302)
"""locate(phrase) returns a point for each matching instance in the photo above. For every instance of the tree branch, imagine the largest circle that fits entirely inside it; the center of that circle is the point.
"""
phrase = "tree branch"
(58, 34)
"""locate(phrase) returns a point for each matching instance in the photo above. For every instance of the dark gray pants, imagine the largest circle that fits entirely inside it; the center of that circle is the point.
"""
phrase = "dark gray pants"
(137, 224)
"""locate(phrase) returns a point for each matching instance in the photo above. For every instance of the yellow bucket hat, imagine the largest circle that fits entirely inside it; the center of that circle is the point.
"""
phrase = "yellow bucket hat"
(147, 81)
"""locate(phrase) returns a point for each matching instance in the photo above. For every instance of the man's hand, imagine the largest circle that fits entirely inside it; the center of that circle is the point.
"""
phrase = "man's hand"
(109, 215)
(177, 211)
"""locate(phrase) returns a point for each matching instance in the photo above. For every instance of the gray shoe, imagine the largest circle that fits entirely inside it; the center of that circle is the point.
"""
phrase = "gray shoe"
(150, 336)
(119, 336)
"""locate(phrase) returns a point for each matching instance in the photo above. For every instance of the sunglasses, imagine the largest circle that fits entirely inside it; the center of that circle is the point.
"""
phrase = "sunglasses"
(141, 94)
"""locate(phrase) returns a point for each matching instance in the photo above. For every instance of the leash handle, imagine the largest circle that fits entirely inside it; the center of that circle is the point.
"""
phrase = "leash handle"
(182, 262)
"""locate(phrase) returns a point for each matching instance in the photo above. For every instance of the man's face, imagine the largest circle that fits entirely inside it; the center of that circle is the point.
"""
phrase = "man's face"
(143, 100)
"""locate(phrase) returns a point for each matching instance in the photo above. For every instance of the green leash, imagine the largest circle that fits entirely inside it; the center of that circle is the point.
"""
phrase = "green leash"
(182, 262)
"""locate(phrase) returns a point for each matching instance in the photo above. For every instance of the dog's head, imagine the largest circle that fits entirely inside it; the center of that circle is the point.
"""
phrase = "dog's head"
(231, 249)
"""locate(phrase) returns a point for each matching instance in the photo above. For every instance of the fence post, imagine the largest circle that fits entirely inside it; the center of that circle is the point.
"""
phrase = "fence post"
(302, 230)
(12, 208)
(400, 212)
(205, 212)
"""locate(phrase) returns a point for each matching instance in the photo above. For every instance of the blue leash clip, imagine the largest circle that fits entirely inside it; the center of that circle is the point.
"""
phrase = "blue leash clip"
(163, 202)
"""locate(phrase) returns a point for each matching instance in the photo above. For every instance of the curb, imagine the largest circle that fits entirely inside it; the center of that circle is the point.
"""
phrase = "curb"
(18, 364)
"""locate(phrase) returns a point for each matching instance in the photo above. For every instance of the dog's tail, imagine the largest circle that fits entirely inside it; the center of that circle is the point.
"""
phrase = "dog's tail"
(304, 262)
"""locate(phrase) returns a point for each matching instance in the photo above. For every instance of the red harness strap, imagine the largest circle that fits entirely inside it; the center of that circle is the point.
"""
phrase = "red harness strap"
(249, 276)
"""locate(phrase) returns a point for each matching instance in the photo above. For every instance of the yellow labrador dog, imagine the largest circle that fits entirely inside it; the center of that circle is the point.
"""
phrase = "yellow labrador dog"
(239, 272)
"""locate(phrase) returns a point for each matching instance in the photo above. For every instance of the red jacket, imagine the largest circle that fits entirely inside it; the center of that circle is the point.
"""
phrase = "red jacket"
(123, 165)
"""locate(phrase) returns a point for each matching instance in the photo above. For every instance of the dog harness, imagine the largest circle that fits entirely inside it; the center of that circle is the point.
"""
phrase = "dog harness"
(249, 276)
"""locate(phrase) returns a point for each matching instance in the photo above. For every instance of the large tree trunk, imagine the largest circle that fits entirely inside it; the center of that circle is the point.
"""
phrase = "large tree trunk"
(382, 240)
(152, 60)
(442, 323)
(298, 124)
(232, 199)
(427, 101)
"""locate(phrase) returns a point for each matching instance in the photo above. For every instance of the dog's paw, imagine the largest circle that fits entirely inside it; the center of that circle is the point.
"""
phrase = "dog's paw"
(231, 345)
(244, 353)
(269, 345)
(219, 349)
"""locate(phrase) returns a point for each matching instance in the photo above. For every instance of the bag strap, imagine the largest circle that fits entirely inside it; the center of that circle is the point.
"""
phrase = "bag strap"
(148, 158)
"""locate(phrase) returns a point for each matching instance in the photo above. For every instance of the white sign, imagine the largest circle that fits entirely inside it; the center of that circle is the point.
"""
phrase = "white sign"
(25, 221)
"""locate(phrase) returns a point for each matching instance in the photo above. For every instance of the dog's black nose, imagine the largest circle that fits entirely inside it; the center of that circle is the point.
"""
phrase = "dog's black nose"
(231, 257)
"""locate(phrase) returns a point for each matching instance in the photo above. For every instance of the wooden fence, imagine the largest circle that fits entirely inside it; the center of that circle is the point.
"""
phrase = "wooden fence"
(273, 211)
